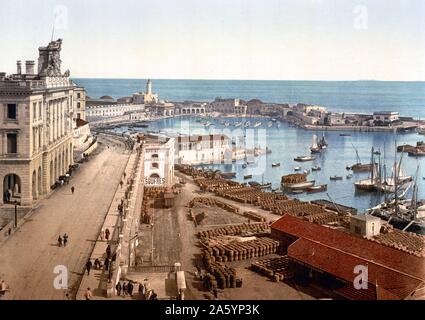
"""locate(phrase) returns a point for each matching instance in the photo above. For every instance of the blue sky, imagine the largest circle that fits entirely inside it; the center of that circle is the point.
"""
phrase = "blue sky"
(222, 39)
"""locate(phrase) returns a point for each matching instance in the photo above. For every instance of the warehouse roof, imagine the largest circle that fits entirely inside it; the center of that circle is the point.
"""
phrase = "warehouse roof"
(342, 265)
(351, 244)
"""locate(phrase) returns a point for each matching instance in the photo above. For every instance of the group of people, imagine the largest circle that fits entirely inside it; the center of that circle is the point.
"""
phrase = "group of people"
(105, 234)
(127, 289)
(63, 240)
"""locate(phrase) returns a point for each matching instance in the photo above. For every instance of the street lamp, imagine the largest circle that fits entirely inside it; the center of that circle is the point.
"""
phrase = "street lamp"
(16, 214)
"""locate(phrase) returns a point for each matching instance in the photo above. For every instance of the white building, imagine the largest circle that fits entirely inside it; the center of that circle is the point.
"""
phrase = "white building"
(203, 149)
(146, 97)
(385, 117)
(158, 161)
(109, 111)
(365, 225)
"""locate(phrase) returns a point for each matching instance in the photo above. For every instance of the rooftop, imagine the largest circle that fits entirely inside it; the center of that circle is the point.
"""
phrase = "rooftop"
(353, 245)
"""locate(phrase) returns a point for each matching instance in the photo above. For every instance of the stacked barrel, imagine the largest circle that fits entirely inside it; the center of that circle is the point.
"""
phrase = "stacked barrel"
(236, 229)
(254, 216)
(237, 251)
(208, 201)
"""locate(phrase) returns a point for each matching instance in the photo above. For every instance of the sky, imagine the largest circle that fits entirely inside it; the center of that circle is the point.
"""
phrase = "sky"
(222, 39)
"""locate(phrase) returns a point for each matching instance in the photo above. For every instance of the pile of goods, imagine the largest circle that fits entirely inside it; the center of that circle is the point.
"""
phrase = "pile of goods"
(294, 178)
(241, 250)
(219, 275)
(235, 230)
(277, 269)
(254, 216)
(207, 201)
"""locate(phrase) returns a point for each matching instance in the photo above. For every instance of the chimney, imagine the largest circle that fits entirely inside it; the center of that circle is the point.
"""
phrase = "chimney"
(29, 66)
(18, 67)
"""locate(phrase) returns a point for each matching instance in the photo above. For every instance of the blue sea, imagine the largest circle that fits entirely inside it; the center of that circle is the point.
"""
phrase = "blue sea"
(288, 142)
(408, 98)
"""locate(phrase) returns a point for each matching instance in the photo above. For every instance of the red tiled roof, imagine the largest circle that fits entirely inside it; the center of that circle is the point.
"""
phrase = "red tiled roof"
(341, 264)
(354, 245)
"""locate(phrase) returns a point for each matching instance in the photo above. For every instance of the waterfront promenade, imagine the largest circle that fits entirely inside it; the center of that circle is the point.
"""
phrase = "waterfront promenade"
(29, 256)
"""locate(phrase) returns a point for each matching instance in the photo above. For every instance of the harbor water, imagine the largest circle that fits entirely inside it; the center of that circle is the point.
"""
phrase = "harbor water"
(287, 142)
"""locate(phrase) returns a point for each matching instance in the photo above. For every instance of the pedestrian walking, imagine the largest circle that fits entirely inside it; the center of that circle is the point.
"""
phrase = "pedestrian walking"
(118, 288)
(106, 264)
(89, 265)
(72, 189)
(121, 183)
(60, 241)
(107, 233)
(215, 292)
(108, 251)
(124, 289)
(88, 295)
(130, 288)
(102, 234)
(65, 239)
(141, 291)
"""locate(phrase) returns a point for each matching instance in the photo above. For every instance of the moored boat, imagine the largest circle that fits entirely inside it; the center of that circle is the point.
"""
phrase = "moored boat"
(275, 164)
(316, 168)
(314, 189)
(336, 178)
(304, 158)
(248, 176)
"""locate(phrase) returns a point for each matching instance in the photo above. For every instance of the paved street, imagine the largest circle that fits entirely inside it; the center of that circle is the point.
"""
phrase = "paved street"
(28, 258)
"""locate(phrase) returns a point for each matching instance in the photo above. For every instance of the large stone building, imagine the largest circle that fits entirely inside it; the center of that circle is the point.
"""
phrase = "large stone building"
(36, 125)
(197, 149)
(229, 106)
(158, 153)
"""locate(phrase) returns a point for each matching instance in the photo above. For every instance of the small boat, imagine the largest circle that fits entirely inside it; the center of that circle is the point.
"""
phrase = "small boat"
(228, 175)
(257, 124)
(275, 164)
(304, 158)
(244, 165)
(315, 147)
(349, 176)
(247, 124)
(315, 189)
(297, 191)
(297, 168)
(253, 183)
(270, 124)
(336, 178)
(345, 135)
(238, 124)
(274, 120)
(306, 171)
(316, 168)
(249, 176)
(250, 162)
(226, 124)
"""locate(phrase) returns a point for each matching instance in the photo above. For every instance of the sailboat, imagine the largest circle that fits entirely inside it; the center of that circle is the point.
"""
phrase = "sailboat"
(399, 212)
(315, 147)
(359, 166)
(323, 144)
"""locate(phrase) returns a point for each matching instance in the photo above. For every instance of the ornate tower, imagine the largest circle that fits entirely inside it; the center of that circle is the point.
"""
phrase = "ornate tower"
(149, 87)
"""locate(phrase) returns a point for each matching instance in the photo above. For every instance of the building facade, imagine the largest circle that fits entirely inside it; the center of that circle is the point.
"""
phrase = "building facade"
(79, 103)
(231, 106)
(36, 120)
(158, 154)
(211, 148)
(146, 97)
(108, 111)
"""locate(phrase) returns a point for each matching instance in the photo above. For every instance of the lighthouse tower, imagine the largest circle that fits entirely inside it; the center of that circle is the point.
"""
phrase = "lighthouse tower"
(149, 87)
